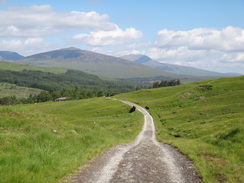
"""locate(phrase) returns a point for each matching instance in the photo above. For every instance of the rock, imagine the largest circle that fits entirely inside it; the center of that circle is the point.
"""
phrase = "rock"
(73, 131)
(132, 109)
(202, 98)
(54, 131)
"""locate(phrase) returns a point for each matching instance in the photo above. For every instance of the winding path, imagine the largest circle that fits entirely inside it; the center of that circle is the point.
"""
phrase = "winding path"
(145, 160)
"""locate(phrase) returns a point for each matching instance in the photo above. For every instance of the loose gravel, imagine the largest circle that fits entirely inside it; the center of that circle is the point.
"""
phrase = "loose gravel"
(145, 160)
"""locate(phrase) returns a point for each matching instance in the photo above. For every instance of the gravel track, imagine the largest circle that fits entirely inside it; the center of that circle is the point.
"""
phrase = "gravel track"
(145, 160)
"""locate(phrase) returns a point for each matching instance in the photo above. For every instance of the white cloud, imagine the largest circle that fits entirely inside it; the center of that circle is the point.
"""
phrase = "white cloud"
(36, 20)
(175, 54)
(27, 47)
(228, 39)
(111, 37)
(203, 48)
(233, 57)
(13, 31)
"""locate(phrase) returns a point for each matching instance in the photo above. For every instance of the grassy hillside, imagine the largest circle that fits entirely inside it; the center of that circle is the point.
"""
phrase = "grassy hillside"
(205, 120)
(45, 142)
(56, 81)
(7, 89)
(19, 67)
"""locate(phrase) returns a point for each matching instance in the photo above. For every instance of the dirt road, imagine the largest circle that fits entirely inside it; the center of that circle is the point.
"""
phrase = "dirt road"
(144, 161)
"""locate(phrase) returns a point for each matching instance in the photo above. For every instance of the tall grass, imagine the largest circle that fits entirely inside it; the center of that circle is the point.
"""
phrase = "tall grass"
(204, 120)
(45, 142)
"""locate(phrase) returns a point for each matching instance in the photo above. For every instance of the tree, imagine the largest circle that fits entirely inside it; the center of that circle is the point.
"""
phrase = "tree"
(100, 93)
(44, 96)
(165, 83)
(156, 84)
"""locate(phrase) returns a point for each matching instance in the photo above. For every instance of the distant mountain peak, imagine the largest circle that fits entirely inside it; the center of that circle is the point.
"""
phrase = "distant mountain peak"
(172, 68)
(143, 59)
(138, 58)
(70, 48)
(8, 55)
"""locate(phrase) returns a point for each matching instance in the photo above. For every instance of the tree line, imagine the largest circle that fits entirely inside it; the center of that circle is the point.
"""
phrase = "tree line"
(71, 79)
(44, 96)
(73, 84)
(165, 83)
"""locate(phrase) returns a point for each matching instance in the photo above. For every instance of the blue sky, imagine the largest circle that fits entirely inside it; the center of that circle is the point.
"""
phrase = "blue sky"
(207, 34)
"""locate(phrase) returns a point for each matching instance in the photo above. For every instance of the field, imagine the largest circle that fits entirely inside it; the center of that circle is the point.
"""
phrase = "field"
(46, 142)
(7, 89)
(204, 120)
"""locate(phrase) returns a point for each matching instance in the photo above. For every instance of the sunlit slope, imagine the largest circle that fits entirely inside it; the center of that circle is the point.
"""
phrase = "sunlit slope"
(205, 120)
(45, 142)
(19, 67)
(7, 89)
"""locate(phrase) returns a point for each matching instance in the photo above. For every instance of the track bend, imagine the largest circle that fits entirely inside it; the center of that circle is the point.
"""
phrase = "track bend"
(145, 160)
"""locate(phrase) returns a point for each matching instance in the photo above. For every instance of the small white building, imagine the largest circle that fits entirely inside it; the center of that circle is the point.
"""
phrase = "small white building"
(61, 99)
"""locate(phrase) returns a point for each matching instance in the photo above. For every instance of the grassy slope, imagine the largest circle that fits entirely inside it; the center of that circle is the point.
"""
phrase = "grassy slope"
(207, 125)
(7, 89)
(19, 67)
(32, 152)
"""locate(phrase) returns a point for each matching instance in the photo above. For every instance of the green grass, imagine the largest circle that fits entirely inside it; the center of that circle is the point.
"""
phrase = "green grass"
(19, 67)
(31, 151)
(204, 120)
(7, 89)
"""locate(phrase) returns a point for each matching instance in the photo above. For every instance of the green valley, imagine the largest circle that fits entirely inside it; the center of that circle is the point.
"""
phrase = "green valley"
(56, 81)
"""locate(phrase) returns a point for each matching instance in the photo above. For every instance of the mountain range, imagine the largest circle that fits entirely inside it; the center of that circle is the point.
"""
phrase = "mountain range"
(130, 66)
(176, 69)
(91, 62)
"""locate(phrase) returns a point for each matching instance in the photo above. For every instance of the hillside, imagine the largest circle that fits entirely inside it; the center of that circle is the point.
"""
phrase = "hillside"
(94, 63)
(175, 69)
(47, 78)
(45, 142)
(204, 120)
(70, 79)
(8, 55)
(4, 65)
(7, 89)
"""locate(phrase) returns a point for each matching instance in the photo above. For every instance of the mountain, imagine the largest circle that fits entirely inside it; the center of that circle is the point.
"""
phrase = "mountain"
(94, 63)
(8, 55)
(176, 69)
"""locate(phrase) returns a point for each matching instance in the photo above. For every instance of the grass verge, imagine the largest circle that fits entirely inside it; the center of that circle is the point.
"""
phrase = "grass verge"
(47, 141)
(205, 121)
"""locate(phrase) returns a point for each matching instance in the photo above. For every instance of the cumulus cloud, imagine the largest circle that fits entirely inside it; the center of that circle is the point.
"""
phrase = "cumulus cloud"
(13, 31)
(228, 39)
(43, 21)
(37, 20)
(202, 47)
(26, 47)
(106, 38)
